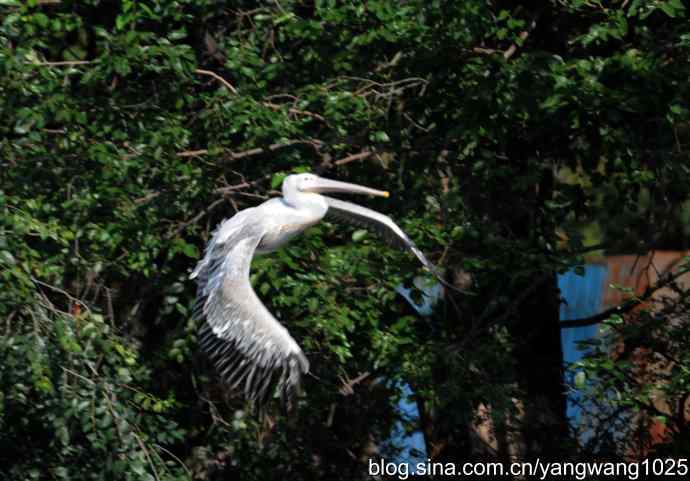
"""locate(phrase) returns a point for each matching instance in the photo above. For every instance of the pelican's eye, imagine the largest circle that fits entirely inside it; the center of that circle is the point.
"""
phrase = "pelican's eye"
(306, 182)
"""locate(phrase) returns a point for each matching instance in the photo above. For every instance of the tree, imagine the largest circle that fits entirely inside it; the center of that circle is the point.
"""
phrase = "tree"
(505, 132)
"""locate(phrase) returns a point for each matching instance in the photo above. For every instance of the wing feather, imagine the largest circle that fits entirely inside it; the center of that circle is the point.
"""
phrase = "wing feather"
(243, 339)
(384, 226)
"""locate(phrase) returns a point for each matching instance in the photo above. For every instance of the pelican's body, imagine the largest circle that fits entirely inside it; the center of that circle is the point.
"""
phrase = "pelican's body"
(248, 345)
(283, 222)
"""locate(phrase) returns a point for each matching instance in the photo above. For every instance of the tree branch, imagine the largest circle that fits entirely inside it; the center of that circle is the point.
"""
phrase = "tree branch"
(269, 105)
(63, 63)
(347, 386)
(354, 157)
(243, 185)
(232, 156)
(273, 147)
(196, 218)
(209, 73)
(628, 305)
(192, 153)
(510, 51)
(292, 110)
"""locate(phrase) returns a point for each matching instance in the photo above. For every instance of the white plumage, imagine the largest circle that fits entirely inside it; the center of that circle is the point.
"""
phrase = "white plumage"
(251, 350)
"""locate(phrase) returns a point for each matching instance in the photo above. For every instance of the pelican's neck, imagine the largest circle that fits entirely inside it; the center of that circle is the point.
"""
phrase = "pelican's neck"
(312, 204)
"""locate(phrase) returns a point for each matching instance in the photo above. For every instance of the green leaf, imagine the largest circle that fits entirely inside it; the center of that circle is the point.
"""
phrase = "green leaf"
(580, 379)
(177, 34)
(380, 136)
(277, 179)
(359, 235)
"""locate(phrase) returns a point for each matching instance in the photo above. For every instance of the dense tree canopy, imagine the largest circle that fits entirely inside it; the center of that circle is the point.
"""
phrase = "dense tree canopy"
(513, 137)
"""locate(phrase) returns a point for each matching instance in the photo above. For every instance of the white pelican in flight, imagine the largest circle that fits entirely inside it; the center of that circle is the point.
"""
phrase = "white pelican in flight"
(249, 347)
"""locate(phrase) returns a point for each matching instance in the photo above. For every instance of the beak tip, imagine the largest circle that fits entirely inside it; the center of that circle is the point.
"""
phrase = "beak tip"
(386, 194)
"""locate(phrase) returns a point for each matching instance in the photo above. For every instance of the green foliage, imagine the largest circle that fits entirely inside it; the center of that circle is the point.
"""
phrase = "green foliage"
(507, 134)
(72, 405)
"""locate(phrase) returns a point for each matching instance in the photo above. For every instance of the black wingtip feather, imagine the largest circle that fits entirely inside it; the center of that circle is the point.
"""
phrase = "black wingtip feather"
(257, 383)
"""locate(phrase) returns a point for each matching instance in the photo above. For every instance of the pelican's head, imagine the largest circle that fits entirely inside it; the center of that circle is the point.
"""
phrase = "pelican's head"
(313, 184)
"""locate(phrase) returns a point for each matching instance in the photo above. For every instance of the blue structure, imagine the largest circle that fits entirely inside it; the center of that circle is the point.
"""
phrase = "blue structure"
(583, 297)
(431, 290)
(412, 445)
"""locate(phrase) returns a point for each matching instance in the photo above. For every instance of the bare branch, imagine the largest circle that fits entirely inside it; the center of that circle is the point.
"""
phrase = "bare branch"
(76, 374)
(354, 157)
(146, 198)
(62, 63)
(232, 156)
(347, 386)
(172, 455)
(267, 104)
(484, 51)
(295, 111)
(273, 147)
(209, 73)
(243, 185)
(197, 217)
(192, 153)
(249, 194)
(510, 51)
(63, 292)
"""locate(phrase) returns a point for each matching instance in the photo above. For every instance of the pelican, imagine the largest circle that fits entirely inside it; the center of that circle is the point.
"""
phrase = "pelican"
(251, 350)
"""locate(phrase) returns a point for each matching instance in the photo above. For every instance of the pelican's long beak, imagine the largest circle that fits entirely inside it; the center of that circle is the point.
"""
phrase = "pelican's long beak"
(321, 185)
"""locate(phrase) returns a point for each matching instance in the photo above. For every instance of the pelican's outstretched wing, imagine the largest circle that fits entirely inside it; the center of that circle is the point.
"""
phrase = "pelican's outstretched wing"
(384, 225)
(249, 347)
